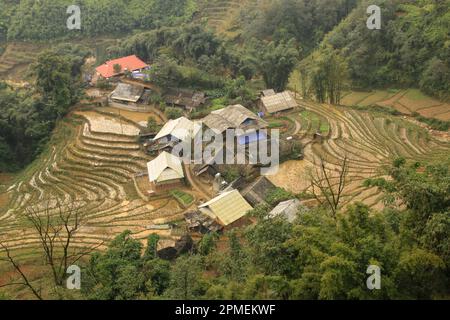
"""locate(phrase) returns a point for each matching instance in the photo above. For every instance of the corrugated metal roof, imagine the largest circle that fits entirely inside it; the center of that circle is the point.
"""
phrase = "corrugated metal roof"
(127, 92)
(227, 208)
(130, 63)
(165, 167)
(233, 117)
(288, 209)
(181, 128)
(279, 102)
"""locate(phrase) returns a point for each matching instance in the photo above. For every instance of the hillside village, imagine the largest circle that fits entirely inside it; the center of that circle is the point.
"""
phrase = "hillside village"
(224, 149)
(221, 204)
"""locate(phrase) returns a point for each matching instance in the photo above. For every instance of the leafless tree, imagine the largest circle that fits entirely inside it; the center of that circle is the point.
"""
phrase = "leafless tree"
(18, 269)
(56, 225)
(324, 188)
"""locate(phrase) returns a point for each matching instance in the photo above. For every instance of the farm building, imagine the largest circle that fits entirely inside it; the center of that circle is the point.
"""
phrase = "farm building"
(256, 192)
(165, 171)
(277, 102)
(131, 64)
(201, 223)
(179, 129)
(286, 209)
(227, 208)
(237, 117)
(169, 249)
(186, 100)
(268, 92)
(127, 93)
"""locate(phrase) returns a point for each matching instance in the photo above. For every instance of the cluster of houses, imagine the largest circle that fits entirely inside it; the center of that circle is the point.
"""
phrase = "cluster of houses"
(166, 172)
(233, 200)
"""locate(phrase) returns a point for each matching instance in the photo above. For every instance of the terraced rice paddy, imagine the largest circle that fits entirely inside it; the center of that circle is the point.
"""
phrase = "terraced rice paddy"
(368, 140)
(15, 60)
(91, 167)
(405, 101)
(222, 15)
(96, 155)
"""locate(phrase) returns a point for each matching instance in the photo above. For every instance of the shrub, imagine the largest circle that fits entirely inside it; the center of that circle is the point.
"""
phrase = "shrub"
(173, 113)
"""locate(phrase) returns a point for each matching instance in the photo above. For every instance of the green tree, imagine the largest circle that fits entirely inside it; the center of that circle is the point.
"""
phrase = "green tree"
(276, 62)
(186, 282)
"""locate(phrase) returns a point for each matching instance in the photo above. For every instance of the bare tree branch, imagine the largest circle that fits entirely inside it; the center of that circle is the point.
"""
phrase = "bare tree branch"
(16, 266)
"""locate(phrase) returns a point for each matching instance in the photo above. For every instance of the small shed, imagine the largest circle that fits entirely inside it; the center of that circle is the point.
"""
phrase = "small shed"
(286, 209)
(226, 208)
(125, 92)
(184, 99)
(165, 171)
(201, 223)
(275, 103)
(256, 192)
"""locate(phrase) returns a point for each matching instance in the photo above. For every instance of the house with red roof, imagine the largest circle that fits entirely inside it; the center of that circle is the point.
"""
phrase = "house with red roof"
(111, 68)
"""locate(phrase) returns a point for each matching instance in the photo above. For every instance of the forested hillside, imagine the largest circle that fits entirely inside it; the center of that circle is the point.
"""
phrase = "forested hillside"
(411, 49)
(46, 19)
(326, 40)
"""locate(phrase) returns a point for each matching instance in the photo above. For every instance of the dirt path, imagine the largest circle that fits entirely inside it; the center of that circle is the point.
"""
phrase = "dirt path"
(194, 184)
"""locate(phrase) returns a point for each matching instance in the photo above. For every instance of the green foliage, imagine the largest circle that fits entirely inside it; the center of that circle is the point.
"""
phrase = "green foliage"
(152, 125)
(152, 244)
(324, 74)
(186, 282)
(173, 112)
(276, 62)
(410, 49)
(316, 257)
(27, 119)
(46, 19)
(207, 244)
(278, 195)
(435, 124)
(185, 199)
(307, 21)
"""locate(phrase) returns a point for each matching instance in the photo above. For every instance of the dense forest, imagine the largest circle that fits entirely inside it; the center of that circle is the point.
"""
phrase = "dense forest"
(46, 19)
(29, 115)
(319, 256)
(412, 47)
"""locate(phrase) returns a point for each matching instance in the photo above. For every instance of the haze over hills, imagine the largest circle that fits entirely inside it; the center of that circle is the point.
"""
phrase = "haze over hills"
(363, 116)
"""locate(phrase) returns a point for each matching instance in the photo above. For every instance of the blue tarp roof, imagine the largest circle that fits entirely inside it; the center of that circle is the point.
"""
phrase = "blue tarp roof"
(251, 137)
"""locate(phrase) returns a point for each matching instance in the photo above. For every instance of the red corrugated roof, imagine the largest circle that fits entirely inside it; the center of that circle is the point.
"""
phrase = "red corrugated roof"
(130, 63)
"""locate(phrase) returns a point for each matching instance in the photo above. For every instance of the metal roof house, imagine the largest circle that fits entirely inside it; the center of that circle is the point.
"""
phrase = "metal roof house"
(125, 93)
(286, 209)
(184, 99)
(226, 208)
(129, 63)
(180, 129)
(236, 117)
(165, 171)
(278, 102)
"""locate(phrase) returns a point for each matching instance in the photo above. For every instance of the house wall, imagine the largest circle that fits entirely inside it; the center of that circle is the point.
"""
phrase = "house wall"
(167, 185)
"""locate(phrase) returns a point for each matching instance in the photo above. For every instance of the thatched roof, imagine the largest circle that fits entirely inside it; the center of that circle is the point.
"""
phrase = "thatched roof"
(127, 92)
(278, 102)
